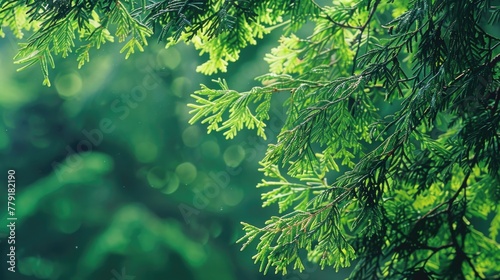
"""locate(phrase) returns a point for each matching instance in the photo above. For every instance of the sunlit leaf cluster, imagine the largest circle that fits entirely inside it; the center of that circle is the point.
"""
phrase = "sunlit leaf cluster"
(219, 28)
(215, 105)
(389, 153)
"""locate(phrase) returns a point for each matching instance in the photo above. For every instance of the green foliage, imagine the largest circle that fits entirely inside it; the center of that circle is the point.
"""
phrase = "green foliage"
(57, 22)
(219, 28)
(389, 152)
(218, 102)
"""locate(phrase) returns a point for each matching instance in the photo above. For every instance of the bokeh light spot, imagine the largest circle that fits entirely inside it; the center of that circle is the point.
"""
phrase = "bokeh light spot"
(146, 151)
(170, 58)
(232, 196)
(68, 85)
(210, 149)
(179, 86)
(157, 177)
(97, 162)
(234, 155)
(186, 172)
(172, 184)
(191, 136)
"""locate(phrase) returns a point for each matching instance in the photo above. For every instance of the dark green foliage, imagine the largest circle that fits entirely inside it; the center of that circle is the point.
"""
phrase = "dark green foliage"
(390, 151)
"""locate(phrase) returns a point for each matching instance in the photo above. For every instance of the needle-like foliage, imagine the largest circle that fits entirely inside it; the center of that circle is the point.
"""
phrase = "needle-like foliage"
(390, 152)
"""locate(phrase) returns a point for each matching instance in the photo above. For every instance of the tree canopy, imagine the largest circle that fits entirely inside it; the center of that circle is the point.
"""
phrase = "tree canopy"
(389, 153)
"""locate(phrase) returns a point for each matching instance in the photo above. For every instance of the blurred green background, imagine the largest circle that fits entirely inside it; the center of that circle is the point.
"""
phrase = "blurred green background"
(113, 183)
